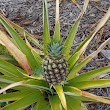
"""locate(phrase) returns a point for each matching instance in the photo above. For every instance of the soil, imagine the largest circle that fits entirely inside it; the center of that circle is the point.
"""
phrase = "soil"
(28, 14)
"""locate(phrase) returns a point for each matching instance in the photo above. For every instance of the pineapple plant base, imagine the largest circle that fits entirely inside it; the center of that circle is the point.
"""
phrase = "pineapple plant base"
(61, 88)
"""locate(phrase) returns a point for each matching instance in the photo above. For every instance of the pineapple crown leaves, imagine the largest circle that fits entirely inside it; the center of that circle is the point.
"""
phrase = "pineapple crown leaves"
(55, 48)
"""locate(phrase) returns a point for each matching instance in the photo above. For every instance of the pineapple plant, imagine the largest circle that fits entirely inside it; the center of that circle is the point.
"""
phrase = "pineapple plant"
(47, 76)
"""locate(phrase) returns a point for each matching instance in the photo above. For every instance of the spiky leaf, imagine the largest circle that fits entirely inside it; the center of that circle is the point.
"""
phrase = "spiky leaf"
(46, 26)
(61, 95)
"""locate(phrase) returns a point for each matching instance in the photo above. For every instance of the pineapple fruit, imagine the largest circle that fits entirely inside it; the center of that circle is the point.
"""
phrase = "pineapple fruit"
(55, 66)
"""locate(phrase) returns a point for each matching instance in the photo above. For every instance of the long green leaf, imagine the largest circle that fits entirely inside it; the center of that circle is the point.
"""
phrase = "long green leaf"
(73, 59)
(101, 83)
(22, 31)
(56, 36)
(13, 96)
(75, 91)
(23, 102)
(5, 81)
(11, 79)
(2, 84)
(69, 41)
(46, 26)
(69, 90)
(20, 43)
(83, 99)
(9, 59)
(11, 86)
(91, 74)
(10, 70)
(96, 98)
(34, 76)
(75, 69)
(73, 103)
(37, 56)
(83, 44)
(41, 105)
(55, 102)
(38, 84)
(83, 107)
(86, 42)
(3, 50)
(23, 88)
(61, 95)
(78, 52)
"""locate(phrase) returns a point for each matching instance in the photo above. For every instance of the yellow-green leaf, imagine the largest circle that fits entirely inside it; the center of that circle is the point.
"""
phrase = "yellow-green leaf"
(14, 95)
(82, 47)
(55, 102)
(61, 95)
(69, 41)
(75, 91)
(73, 59)
(101, 83)
(46, 26)
(23, 102)
(83, 106)
(41, 105)
(73, 103)
(69, 90)
(56, 36)
(75, 69)
(10, 79)
(11, 86)
(96, 98)
(19, 42)
(37, 56)
(22, 31)
(6, 69)
(38, 84)
(91, 74)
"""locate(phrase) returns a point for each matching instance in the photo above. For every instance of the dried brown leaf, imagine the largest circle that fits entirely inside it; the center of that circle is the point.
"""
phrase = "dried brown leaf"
(18, 55)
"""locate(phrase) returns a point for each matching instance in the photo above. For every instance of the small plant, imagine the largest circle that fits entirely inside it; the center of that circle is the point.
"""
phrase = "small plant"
(46, 76)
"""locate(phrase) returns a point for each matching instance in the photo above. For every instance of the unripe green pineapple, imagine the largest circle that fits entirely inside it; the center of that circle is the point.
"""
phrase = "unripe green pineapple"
(55, 65)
